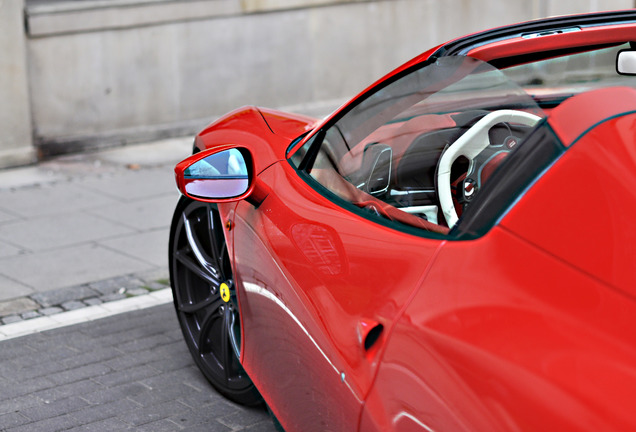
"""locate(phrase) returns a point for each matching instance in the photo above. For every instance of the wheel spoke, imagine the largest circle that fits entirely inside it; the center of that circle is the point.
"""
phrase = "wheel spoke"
(217, 252)
(226, 351)
(196, 248)
(235, 344)
(184, 259)
(213, 302)
(204, 332)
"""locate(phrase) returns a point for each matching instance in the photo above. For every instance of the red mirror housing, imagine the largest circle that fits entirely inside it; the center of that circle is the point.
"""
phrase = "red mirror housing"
(221, 174)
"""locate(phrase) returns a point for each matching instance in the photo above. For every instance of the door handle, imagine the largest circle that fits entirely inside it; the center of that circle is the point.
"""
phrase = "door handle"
(369, 332)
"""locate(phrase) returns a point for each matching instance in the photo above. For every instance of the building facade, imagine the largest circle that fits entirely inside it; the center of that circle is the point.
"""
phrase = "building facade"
(84, 74)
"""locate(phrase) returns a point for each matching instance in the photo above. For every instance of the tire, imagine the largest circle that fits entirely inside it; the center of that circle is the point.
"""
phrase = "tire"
(205, 299)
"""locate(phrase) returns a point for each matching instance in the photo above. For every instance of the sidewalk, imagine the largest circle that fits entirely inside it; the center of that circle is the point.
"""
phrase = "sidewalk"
(85, 229)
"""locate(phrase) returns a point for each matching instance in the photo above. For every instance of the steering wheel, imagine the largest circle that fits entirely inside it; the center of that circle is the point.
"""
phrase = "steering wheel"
(469, 145)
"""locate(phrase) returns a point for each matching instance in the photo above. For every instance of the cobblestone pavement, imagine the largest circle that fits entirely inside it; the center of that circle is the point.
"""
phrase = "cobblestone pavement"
(126, 372)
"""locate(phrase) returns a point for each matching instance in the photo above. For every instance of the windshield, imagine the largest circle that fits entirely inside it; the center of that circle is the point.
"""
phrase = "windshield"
(384, 154)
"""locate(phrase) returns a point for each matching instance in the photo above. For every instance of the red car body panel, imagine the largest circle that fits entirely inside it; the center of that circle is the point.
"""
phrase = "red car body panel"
(557, 41)
(520, 329)
(266, 133)
(492, 352)
(584, 229)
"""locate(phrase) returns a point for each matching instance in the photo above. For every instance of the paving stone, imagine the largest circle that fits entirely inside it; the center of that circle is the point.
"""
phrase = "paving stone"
(243, 418)
(63, 422)
(46, 354)
(14, 349)
(17, 306)
(173, 351)
(151, 246)
(51, 310)
(26, 387)
(52, 199)
(89, 262)
(63, 295)
(147, 183)
(112, 297)
(39, 369)
(93, 301)
(128, 375)
(17, 404)
(94, 413)
(78, 388)
(145, 343)
(190, 420)
(52, 231)
(30, 315)
(173, 362)
(11, 319)
(137, 292)
(108, 425)
(262, 426)
(210, 426)
(54, 409)
(106, 394)
(11, 420)
(153, 413)
(11, 288)
(164, 425)
(49, 350)
(94, 370)
(7, 249)
(6, 216)
(97, 355)
(73, 305)
(159, 275)
(155, 286)
(116, 284)
(143, 215)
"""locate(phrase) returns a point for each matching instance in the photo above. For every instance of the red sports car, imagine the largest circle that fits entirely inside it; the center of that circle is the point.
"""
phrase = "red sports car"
(453, 249)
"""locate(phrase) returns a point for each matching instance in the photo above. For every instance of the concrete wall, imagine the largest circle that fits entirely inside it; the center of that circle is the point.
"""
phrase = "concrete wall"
(107, 72)
(15, 121)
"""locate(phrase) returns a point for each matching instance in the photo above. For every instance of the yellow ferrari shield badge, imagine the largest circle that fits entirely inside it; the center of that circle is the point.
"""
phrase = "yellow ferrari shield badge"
(225, 292)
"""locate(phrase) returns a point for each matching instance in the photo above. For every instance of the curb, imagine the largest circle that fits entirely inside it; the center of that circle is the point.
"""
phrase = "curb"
(49, 303)
(90, 313)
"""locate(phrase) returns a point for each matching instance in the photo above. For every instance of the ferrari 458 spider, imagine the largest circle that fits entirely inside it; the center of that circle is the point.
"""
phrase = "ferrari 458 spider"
(453, 249)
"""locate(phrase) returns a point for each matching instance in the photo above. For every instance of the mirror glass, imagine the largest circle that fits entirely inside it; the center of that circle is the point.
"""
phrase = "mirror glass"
(218, 176)
(626, 63)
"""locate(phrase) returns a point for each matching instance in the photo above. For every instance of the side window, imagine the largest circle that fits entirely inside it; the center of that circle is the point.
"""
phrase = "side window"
(385, 155)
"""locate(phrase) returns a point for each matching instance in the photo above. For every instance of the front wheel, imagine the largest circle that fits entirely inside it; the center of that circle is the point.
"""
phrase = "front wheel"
(205, 298)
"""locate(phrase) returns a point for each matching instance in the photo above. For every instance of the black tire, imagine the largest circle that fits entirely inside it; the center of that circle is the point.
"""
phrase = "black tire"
(199, 266)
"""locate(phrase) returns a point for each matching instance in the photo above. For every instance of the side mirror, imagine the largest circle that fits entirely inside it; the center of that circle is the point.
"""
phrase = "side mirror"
(626, 62)
(218, 175)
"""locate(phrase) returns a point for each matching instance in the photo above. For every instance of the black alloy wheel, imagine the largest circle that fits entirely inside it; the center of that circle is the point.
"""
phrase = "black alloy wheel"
(205, 298)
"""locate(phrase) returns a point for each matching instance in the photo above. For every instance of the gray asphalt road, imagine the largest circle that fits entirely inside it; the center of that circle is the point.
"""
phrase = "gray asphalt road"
(126, 372)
